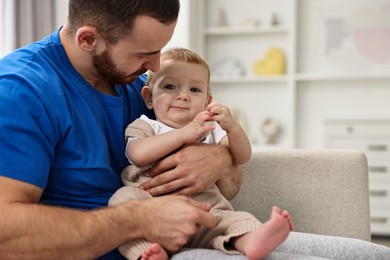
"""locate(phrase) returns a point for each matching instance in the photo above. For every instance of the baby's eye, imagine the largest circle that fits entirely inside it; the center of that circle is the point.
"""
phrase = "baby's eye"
(196, 90)
(170, 86)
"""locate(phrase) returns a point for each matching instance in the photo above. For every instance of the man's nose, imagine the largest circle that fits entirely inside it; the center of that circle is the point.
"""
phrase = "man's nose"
(153, 62)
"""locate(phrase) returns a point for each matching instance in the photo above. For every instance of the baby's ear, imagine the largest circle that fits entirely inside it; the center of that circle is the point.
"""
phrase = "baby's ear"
(146, 93)
(208, 100)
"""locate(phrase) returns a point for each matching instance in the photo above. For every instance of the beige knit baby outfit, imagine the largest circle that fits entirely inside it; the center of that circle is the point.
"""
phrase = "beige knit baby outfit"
(230, 223)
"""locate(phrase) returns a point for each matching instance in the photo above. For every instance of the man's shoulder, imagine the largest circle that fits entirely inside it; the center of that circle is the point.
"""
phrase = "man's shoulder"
(34, 65)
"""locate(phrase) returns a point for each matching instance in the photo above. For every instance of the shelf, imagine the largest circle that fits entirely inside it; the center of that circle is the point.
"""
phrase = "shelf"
(342, 77)
(317, 66)
(300, 78)
(249, 79)
(245, 30)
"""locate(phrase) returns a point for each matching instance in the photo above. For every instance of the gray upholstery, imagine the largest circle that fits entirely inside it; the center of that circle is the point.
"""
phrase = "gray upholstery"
(206, 254)
(326, 193)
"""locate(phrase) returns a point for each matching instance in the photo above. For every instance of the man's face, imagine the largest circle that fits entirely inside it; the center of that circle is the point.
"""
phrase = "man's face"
(133, 55)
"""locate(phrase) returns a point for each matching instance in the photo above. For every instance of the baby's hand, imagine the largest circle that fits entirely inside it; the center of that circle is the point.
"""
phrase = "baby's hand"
(198, 128)
(221, 114)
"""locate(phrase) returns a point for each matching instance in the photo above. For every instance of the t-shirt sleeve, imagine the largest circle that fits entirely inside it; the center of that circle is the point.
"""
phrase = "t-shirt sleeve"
(27, 138)
(139, 129)
(218, 133)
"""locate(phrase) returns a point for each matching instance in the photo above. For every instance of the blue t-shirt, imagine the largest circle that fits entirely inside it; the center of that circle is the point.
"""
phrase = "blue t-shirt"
(57, 132)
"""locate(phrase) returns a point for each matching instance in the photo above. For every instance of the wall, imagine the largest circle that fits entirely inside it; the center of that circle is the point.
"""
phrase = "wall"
(7, 28)
(353, 85)
(181, 36)
(61, 12)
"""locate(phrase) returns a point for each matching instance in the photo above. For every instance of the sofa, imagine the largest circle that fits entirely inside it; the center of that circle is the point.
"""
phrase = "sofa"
(326, 193)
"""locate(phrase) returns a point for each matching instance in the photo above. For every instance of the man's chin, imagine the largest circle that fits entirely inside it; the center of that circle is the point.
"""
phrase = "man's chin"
(130, 79)
(127, 80)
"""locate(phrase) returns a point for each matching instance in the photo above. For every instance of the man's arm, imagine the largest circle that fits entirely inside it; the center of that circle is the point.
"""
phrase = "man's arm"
(30, 230)
(195, 168)
(230, 185)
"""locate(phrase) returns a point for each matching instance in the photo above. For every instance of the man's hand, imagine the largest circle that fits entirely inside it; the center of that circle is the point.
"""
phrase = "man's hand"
(172, 220)
(195, 168)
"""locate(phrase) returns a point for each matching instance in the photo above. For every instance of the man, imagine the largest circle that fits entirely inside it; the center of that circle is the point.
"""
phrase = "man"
(64, 103)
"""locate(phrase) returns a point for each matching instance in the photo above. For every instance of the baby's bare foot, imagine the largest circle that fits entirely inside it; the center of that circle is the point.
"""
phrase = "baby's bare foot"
(155, 252)
(266, 238)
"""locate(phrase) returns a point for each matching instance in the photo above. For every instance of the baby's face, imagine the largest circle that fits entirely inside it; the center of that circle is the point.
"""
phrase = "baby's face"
(179, 92)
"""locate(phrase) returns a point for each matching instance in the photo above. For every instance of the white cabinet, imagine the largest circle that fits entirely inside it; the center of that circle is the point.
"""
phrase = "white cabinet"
(333, 70)
(245, 38)
(372, 137)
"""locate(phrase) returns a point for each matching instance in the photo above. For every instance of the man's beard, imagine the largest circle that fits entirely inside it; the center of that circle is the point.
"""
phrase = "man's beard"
(106, 69)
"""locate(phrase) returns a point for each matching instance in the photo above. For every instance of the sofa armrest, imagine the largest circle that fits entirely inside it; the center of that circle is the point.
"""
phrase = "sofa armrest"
(325, 191)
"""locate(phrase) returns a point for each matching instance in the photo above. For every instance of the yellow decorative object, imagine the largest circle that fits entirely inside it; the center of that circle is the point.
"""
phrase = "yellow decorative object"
(272, 64)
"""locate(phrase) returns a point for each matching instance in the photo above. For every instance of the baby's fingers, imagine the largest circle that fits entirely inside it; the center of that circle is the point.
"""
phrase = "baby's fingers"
(202, 117)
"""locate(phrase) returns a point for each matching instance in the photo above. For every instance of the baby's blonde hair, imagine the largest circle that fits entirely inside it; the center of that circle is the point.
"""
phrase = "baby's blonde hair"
(185, 55)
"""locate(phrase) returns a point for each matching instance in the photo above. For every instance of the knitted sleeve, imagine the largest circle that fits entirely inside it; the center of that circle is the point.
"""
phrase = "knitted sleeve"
(139, 129)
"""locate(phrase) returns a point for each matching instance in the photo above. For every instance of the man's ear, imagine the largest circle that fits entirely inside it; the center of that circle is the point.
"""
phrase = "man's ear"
(88, 38)
(146, 93)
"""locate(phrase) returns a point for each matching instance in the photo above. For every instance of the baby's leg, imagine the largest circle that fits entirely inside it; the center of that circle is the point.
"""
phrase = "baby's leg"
(155, 252)
(262, 241)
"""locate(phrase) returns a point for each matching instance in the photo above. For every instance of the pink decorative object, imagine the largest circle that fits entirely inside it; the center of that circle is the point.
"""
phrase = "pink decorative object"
(374, 43)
